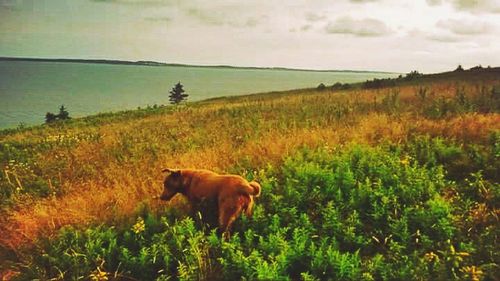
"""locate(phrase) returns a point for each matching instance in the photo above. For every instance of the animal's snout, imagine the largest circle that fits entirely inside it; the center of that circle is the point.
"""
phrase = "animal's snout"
(165, 196)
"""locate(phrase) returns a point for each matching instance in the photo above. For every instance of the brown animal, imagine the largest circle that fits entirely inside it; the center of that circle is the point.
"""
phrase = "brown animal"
(232, 193)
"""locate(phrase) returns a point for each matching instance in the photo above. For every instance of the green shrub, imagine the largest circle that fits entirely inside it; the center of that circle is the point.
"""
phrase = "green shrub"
(358, 213)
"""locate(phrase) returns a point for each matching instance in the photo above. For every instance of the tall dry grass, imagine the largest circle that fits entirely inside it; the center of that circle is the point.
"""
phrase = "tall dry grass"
(107, 177)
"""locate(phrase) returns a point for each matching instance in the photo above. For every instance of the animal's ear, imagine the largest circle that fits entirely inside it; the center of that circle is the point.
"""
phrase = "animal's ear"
(168, 170)
(174, 172)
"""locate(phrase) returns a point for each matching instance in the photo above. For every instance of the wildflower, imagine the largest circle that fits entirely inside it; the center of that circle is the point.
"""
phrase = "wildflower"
(430, 257)
(139, 226)
(473, 272)
(99, 275)
(367, 276)
(405, 161)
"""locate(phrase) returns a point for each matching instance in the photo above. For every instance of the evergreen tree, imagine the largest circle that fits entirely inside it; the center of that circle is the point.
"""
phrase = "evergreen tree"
(177, 94)
(50, 117)
(63, 113)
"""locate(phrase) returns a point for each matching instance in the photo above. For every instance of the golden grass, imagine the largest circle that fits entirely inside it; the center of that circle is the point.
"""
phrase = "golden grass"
(470, 128)
(105, 181)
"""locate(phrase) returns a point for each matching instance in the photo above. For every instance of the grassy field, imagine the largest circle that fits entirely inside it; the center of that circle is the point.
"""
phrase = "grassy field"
(390, 183)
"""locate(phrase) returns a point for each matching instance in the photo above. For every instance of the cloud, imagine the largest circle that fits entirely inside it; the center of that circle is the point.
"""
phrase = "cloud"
(251, 22)
(219, 18)
(363, 1)
(205, 17)
(305, 27)
(313, 17)
(137, 2)
(158, 19)
(367, 27)
(215, 14)
(434, 2)
(477, 5)
(445, 38)
(474, 6)
(464, 27)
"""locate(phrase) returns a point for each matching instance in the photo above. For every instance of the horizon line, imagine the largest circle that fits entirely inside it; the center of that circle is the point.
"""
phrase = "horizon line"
(160, 63)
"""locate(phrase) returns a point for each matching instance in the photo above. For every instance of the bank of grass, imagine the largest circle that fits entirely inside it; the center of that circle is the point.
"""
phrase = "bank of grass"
(384, 184)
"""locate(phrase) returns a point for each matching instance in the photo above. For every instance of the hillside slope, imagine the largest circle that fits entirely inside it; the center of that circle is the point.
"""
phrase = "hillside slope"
(375, 184)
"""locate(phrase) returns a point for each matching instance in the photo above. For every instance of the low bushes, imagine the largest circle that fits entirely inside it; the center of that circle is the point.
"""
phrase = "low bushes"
(349, 213)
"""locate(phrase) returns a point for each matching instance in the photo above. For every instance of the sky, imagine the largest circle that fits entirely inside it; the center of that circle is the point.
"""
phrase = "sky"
(385, 35)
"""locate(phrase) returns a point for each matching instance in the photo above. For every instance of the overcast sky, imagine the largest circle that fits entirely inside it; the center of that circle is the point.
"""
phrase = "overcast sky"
(388, 35)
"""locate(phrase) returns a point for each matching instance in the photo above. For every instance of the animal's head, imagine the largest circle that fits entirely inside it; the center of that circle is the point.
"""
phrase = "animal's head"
(172, 184)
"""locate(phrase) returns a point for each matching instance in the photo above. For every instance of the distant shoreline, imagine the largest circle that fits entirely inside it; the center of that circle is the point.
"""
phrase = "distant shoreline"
(154, 63)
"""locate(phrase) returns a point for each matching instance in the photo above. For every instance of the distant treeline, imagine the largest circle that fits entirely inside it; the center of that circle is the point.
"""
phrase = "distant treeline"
(388, 82)
(414, 75)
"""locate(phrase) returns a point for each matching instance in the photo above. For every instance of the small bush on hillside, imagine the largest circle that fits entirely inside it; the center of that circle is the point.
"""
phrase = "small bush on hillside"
(50, 117)
(63, 115)
(422, 94)
(340, 86)
(391, 82)
(413, 75)
(390, 102)
(487, 99)
(476, 68)
(379, 83)
(177, 94)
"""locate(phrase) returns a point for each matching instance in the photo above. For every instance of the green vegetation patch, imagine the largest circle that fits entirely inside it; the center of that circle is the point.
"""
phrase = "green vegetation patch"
(348, 213)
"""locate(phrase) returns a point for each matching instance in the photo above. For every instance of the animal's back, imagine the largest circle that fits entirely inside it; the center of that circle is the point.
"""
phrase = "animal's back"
(206, 183)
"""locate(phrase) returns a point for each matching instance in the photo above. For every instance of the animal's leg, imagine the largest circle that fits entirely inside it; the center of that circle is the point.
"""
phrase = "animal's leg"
(229, 211)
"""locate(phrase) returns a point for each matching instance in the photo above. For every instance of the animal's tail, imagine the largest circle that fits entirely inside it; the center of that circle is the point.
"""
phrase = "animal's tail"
(249, 207)
(256, 188)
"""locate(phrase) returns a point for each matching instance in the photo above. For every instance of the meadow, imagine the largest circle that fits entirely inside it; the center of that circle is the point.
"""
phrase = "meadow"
(389, 182)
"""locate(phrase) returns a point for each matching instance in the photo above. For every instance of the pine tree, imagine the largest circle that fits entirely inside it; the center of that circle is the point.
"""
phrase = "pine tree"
(63, 113)
(177, 94)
